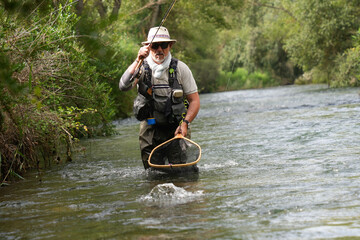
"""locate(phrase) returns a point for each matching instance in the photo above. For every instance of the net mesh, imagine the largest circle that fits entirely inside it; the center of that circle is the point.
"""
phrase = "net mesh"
(176, 152)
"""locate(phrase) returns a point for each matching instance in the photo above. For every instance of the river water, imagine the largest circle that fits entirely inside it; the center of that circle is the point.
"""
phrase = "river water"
(278, 163)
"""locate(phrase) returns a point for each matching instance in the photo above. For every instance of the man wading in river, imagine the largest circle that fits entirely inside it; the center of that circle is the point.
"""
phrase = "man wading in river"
(168, 99)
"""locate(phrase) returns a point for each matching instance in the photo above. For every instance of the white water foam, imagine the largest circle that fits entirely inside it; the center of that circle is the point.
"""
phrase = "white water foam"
(168, 194)
(217, 165)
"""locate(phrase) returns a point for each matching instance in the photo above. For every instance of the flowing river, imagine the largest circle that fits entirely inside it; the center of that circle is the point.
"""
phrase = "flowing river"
(278, 163)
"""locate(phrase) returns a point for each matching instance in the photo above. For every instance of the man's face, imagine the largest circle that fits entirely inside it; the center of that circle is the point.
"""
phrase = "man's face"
(160, 50)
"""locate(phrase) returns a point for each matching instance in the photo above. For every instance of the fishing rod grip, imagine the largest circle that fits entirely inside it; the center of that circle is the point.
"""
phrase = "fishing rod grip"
(138, 65)
(136, 73)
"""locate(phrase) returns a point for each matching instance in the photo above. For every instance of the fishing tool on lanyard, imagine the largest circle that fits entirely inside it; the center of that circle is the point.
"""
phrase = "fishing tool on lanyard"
(136, 73)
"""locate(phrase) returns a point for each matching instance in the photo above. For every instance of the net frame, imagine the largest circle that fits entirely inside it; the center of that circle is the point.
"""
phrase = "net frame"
(178, 136)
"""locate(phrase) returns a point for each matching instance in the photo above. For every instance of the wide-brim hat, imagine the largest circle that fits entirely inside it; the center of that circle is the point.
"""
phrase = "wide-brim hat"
(162, 35)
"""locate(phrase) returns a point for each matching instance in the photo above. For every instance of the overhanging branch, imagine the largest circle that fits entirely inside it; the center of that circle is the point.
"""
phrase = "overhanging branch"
(274, 7)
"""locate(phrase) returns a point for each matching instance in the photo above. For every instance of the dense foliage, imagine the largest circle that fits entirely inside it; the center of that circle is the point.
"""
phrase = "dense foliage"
(61, 60)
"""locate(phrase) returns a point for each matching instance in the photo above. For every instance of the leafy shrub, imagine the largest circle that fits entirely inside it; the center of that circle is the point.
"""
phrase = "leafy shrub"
(347, 72)
(51, 91)
(242, 79)
(206, 72)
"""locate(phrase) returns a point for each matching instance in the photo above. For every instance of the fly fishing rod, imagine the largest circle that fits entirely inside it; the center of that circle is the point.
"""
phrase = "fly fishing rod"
(161, 24)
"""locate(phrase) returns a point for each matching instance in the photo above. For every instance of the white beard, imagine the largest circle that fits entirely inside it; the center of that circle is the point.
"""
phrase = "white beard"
(158, 69)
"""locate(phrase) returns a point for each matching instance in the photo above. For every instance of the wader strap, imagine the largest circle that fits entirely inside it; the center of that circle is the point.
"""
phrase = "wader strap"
(147, 78)
(145, 85)
(173, 81)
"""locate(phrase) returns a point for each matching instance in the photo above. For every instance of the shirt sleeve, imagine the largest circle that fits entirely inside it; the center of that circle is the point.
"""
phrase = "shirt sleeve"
(126, 83)
(186, 79)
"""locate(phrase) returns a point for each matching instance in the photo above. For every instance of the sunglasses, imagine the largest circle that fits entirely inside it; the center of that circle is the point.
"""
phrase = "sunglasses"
(163, 45)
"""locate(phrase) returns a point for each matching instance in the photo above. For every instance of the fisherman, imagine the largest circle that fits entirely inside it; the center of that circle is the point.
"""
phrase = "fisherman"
(168, 99)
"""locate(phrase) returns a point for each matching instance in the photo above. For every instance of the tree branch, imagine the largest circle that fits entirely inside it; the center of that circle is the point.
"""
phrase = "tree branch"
(150, 4)
(275, 7)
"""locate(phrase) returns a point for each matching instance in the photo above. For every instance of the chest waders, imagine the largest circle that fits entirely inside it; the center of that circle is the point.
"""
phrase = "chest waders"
(164, 100)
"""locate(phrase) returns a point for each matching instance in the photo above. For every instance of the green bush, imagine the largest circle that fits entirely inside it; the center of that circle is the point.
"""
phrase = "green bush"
(206, 72)
(347, 72)
(242, 79)
(51, 89)
(260, 80)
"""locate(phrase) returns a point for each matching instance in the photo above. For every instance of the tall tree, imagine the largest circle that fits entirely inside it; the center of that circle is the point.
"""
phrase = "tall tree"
(323, 30)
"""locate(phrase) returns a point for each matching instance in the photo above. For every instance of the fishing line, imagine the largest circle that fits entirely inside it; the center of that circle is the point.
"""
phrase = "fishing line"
(232, 68)
(232, 71)
(164, 19)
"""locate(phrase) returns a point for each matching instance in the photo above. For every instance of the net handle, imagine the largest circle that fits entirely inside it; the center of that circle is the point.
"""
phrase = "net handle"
(175, 165)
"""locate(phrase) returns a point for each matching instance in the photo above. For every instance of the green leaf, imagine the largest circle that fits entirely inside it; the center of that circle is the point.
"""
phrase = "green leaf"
(30, 77)
(37, 91)
(16, 175)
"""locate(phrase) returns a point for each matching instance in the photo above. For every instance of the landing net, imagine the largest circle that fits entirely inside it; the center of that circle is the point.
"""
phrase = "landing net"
(176, 152)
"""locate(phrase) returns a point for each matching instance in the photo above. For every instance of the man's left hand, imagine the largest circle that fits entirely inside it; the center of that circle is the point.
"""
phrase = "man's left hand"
(182, 129)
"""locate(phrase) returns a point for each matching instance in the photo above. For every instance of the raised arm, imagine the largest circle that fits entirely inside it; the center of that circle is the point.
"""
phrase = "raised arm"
(126, 80)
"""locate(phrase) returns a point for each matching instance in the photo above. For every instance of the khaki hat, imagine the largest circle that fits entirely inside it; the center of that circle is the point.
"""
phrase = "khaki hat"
(162, 35)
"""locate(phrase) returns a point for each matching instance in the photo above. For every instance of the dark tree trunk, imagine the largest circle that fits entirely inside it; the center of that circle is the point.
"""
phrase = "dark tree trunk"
(155, 15)
(79, 7)
(117, 5)
(101, 8)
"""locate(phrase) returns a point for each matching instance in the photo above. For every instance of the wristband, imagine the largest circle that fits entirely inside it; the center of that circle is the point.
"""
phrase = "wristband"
(187, 122)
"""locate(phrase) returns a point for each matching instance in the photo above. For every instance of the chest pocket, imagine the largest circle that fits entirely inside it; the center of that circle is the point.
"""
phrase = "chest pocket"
(161, 94)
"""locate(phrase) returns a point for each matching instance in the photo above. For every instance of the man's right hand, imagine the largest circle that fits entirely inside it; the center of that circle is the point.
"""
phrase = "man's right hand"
(143, 52)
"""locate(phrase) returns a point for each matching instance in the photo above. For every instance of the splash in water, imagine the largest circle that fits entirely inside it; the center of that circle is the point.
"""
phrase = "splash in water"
(168, 194)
